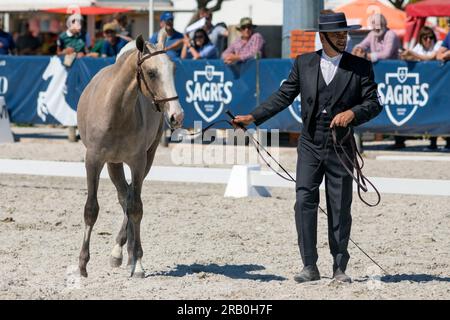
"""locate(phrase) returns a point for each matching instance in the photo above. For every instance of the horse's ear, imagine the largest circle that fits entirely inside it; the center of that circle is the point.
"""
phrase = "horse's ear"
(162, 36)
(140, 43)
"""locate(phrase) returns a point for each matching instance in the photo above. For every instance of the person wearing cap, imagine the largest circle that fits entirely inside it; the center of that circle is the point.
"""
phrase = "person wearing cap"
(338, 92)
(72, 40)
(112, 44)
(250, 45)
(174, 40)
(381, 43)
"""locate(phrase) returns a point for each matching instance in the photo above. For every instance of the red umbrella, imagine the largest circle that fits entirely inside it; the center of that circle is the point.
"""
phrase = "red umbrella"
(418, 12)
(88, 10)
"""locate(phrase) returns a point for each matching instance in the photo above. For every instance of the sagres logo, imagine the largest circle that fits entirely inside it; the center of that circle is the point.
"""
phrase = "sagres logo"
(209, 92)
(402, 94)
(296, 107)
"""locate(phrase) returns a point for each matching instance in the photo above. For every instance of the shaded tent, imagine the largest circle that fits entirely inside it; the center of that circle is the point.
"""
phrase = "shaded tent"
(417, 14)
(359, 11)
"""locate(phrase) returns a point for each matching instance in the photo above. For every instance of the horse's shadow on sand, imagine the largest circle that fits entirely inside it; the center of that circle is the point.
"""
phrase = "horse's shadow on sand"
(416, 278)
(240, 271)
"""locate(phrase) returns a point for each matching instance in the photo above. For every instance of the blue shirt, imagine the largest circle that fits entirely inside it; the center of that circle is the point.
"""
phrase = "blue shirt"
(7, 42)
(113, 50)
(173, 54)
(446, 42)
(208, 51)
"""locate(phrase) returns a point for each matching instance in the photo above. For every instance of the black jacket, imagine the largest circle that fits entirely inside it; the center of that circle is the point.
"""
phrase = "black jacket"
(355, 89)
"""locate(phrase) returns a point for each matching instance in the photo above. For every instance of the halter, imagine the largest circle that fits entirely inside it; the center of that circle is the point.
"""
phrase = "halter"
(140, 77)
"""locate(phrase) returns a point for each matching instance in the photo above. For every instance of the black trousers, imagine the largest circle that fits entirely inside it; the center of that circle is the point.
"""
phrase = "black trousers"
(316, 159)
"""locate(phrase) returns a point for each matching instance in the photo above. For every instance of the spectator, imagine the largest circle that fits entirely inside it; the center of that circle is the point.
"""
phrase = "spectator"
(426, 49)
(250, 45)
(174, 40)
(96, 50)
(72, 40)
(27, 44)
(218, 34)
(202, 48)
(443, 53)
(380, 43)
(123, 28)
(112, 44)
(49, 46)
(7, 45)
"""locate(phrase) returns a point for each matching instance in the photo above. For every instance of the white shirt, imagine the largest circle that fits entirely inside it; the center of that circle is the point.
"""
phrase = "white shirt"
(419, 49)
(329, 66)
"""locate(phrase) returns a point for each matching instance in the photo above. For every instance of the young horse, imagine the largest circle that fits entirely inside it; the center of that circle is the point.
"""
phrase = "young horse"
(120, 119)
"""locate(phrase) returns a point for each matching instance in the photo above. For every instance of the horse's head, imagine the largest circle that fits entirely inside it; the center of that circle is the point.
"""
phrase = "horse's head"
(158, 73)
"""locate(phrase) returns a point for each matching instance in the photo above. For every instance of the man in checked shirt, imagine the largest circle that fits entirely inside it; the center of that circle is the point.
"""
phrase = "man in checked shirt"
(250, 45)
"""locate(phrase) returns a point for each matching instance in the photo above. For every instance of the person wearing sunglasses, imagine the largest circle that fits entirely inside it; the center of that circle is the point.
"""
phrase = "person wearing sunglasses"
(425, 49)
(250, 44)
(200, 48)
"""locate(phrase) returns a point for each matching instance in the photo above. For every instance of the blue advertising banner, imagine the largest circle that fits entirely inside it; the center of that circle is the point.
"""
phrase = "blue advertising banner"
(415, 95)
(208, 88)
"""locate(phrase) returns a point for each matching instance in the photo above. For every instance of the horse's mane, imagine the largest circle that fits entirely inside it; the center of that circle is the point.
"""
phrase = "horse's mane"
(129, 48)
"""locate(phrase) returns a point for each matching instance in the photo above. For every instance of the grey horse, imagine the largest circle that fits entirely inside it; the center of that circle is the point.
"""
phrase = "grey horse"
(120, 119)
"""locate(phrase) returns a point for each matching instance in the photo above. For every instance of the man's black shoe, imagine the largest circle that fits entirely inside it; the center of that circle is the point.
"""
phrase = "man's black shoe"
(309, 273)
(340, 276)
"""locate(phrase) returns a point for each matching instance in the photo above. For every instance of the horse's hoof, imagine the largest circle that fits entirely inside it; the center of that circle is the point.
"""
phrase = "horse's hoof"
(83, 272)
(115, 262)
(139, 275)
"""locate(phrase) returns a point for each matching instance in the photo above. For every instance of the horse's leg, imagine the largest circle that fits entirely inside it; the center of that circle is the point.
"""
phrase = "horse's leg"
(134, 213)
(118, 178)
(93, 169)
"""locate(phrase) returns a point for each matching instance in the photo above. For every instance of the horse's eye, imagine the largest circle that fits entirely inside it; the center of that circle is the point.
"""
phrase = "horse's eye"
(153, 74)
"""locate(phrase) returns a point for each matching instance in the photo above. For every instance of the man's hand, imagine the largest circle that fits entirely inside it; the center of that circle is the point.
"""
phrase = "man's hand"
(231, 58)
(343, 119)
(357, 51)
(69, 50)
(244, 120)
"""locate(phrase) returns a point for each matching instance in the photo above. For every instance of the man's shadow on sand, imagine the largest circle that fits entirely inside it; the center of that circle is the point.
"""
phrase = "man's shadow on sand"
(417, 278)
(240, 271)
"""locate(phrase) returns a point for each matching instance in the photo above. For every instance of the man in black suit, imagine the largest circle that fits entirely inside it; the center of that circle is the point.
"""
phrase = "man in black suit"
(337, 91)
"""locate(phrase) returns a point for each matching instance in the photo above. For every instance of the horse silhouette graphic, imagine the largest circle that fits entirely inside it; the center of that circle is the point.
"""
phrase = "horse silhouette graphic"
(52, 101)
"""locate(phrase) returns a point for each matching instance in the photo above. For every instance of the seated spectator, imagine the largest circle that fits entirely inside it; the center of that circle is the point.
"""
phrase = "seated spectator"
(122, 26)
(218, 34)
(250, 45)
(425, 49)
(72, 40)
(380, 43)
(174, 40)
(49, 46)
(201, 48)
(443, 53)
(112, 44)
(96, 50)
(7, 45)
(27, 44)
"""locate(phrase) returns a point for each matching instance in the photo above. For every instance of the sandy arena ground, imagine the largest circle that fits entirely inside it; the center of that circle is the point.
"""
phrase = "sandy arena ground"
(199, 245)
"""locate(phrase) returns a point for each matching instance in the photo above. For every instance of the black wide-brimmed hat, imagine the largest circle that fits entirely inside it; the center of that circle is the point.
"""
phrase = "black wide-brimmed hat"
(334, 22)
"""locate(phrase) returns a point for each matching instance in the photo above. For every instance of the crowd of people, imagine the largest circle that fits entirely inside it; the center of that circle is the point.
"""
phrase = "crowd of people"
(383, 43)
(209, 41)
